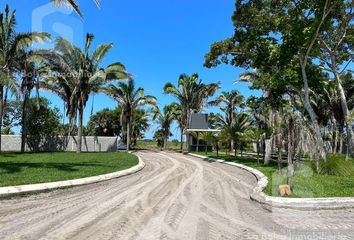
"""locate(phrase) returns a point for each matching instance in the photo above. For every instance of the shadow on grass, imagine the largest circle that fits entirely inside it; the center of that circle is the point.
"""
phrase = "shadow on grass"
(11, 168)
(246, 161)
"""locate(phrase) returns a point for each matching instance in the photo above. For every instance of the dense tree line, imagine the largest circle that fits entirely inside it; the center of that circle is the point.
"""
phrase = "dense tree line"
(70, 72)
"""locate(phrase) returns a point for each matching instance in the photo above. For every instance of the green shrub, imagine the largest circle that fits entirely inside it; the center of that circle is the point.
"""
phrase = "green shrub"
(335, 165)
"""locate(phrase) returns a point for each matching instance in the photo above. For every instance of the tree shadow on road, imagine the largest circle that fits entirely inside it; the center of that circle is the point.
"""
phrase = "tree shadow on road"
(15, 167)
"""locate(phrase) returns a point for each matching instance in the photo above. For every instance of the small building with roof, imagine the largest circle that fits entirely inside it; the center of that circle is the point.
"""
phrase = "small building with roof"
(198, 124)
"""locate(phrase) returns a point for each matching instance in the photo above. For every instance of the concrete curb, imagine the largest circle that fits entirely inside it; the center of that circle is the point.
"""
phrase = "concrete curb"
(280, 202)
(41, 187)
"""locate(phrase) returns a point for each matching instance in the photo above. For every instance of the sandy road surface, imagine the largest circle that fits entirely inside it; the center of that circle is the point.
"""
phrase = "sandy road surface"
(174, 197)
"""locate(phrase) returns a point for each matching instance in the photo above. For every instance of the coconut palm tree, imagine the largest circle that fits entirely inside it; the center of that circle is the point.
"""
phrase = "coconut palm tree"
(273, 101)
(228, 103)
(237, 130)
(192, 95)
(177, 115)
(255, 135)
(79, 74)
(72, 4)
(12, 47)
(129, 99)
(29, 67)
(209, 138)
(164, 118)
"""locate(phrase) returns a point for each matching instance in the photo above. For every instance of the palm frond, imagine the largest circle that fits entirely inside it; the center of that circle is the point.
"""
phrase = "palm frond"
(68, 3)
(100, 52)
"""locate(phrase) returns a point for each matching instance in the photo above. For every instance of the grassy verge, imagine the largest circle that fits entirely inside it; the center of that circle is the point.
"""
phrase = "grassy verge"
(148, 144)
(29, 168)
(306, 182)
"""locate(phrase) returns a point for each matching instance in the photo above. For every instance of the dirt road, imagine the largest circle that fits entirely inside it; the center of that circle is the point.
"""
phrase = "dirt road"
(173, 197)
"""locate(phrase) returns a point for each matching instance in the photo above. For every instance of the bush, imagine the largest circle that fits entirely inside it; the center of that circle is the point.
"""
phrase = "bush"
(336, 165)
(175, 142)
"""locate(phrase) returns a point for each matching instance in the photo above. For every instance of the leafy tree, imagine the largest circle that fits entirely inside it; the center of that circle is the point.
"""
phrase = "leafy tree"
(12, 116)
(43, 123)
(65, 128)
(336, 45)
(105, 123)
(275, 37)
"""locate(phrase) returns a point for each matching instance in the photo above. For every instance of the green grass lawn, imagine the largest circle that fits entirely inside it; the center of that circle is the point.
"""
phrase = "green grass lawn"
(306, 182)
(28, 168)
(148, 144)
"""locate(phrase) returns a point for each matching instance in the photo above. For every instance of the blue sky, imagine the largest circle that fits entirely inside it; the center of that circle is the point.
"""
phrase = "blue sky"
(156, 40)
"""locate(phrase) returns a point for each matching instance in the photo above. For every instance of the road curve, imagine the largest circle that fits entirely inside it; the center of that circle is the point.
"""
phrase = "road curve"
(173, 197)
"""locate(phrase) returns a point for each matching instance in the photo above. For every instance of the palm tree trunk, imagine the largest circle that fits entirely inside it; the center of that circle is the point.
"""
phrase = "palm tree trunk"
(1, 110)
(24, 121)
(197, 142)
(79, 141)
(188, 119)
(181, 139)
(258, 152)
(279, 160)
(336, 139)
(165, 142)
(268, 150)
(128, 135)
(279, 148)
(341, 142)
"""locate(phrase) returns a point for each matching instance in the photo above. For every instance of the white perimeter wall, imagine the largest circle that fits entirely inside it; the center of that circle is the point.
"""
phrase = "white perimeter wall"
(89, 144)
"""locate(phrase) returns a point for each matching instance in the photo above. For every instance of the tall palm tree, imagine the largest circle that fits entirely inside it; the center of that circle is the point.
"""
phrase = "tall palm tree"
(72, 4)
(129, 99)
(272, 97)
(255, 135)
(237, 130)
(209, 138)
(30, 67)
(192, 95)
(164, 119)
(177, 114)
(228, 103)
(79, 74)
(12, 47)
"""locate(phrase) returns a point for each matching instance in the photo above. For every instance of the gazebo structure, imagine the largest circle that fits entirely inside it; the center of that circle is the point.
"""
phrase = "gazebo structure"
(198, 124)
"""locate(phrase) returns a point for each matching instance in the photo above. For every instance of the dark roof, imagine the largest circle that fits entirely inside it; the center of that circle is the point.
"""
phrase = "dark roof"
(199, 121)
